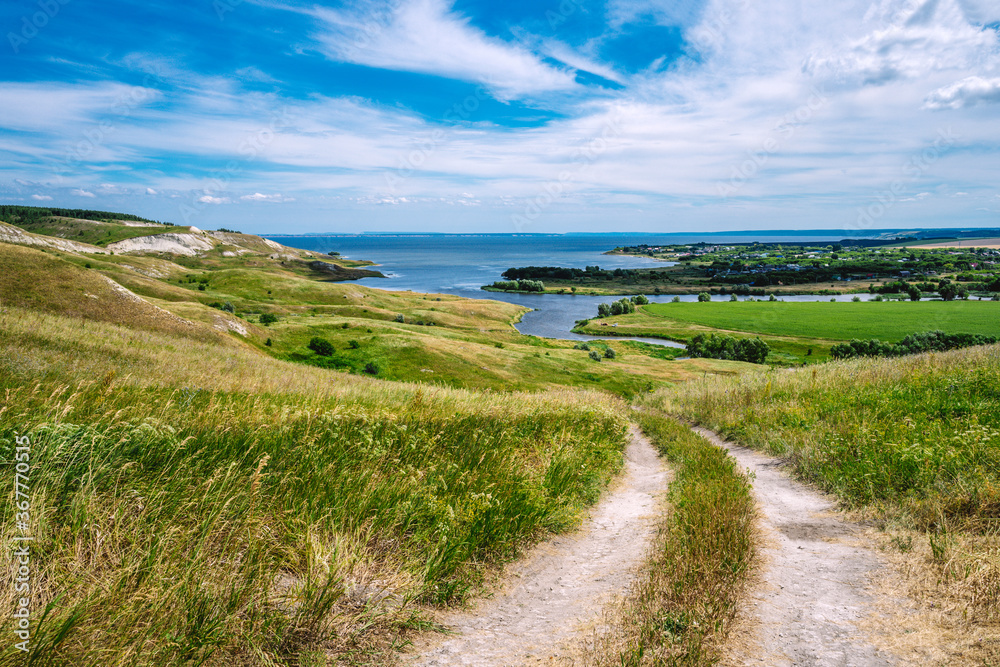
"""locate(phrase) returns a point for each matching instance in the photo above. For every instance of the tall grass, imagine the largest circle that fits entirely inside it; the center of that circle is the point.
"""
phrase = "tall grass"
(702, 558)
(197, 504)
(912, 442)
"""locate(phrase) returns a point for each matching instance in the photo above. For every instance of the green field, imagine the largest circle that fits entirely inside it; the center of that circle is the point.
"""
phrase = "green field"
(885, 320)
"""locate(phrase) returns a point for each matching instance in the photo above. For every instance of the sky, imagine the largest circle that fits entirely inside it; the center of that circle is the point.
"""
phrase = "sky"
(520, 116)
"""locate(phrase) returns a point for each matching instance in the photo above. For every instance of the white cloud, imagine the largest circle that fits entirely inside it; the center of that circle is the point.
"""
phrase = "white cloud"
(41, 197)
(209, 199)
(82, 193)
(427, 36)
(666, 12)
(150, 191)
(906, 39)
(258, 196)
(564, 54)
(970, 91)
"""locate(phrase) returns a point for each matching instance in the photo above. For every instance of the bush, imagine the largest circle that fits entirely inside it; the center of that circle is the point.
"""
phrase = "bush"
(268, 318)
(372, 368)
(345, 325)
(676, 299)
(201, 287)
(856, 299)
(733, 298)
(581, 346)
(400, 318)
(321, 346)
(609, 353)
(772, 298)
(228, 307)
(595, 355)
(928, 341)
(604, 310)
(353, 344)
(714, 346)
(268, 342)
(640, 300)
(703, 297)
(519, 285)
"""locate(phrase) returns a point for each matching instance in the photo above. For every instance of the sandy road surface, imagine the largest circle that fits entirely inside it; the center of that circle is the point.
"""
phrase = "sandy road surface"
(813, 591)
(559, 592)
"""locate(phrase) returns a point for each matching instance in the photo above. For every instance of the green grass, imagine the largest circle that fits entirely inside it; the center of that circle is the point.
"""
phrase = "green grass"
(472, 344)
(704, 554)
(888, 321)
(194, 502)
(912, 442)
(91, 231)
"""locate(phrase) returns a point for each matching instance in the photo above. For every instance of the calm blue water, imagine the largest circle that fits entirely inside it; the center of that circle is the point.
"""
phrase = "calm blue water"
(461, 264)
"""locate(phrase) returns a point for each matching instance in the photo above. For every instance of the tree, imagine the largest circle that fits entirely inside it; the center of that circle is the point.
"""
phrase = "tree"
(640, 300)
(609, 353)
(914, 292)
(321, 346)
(703, 297)
(595, 355)
(268, 318)
(604, 310)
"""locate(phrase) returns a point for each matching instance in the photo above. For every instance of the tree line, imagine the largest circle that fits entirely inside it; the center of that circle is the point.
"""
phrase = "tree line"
(928, 341)
(13, 213)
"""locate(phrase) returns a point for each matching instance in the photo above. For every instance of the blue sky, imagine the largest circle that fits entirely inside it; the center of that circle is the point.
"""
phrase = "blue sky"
(522, 116)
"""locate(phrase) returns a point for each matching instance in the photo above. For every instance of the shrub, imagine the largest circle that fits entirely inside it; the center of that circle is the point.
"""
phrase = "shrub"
(201, 287)
(595, 355)
(772, 298)
(733, 298)
(87, 265)
(400, 318)
(353, 344)
(581, 346)
(640, 300)
(228, 307)
(372, 368)
(703, 297)
(856, 299)
(676, 299)
(215, 304)
(604, 310)
(609, 353)
(345, 325)
(928, 341)
(321, 346)
(268, 318)
(268, 342)
(714, 346)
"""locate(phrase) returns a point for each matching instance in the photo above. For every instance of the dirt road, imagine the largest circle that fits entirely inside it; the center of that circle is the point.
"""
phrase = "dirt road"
(813, 591)
(560, 591)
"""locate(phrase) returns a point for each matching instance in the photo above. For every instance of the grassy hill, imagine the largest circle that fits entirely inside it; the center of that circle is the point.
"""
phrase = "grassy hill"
(205, 488)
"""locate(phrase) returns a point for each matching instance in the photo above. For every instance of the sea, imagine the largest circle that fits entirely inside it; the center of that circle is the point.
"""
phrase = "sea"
(459, 264)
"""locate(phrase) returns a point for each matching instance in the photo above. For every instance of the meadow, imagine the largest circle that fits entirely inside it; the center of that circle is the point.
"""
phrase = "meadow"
(197, 502)
(802, 332)
(885, 320)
